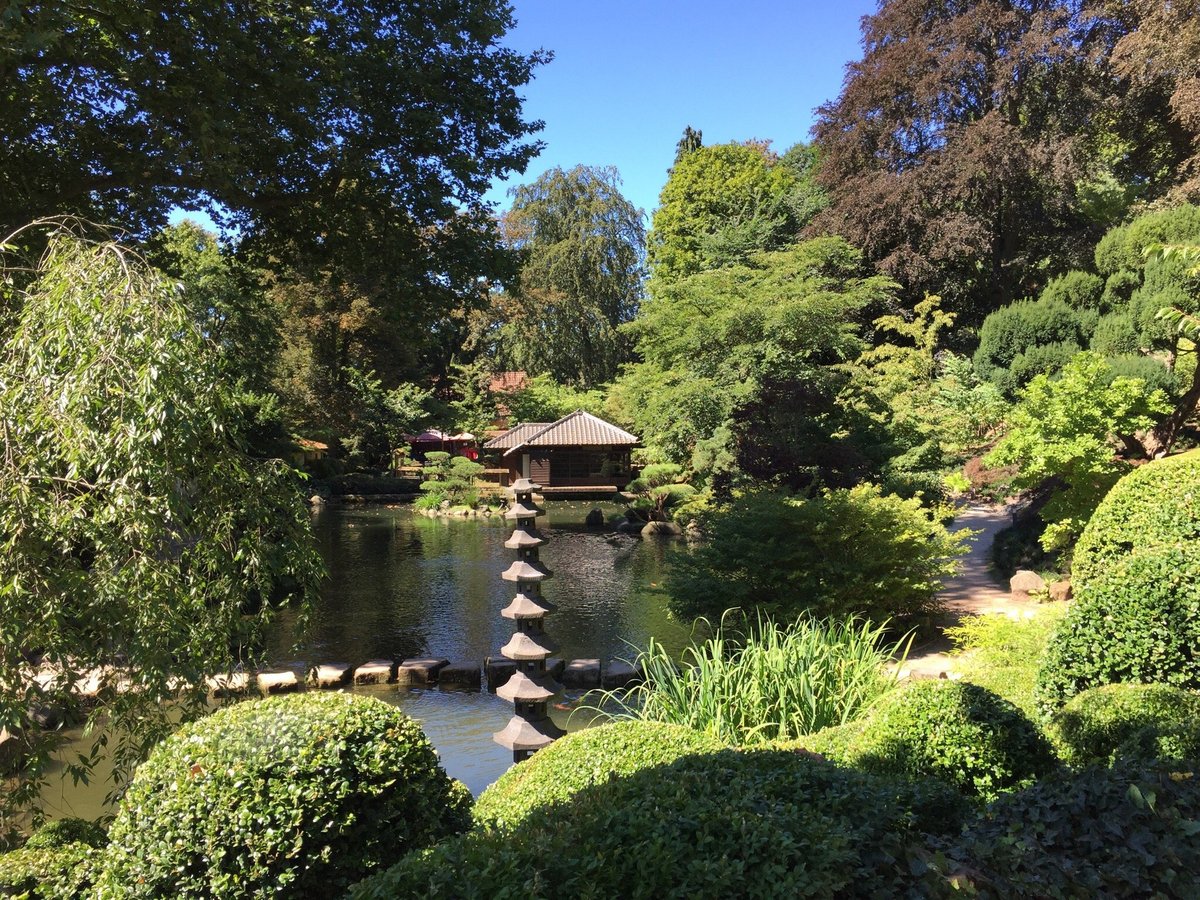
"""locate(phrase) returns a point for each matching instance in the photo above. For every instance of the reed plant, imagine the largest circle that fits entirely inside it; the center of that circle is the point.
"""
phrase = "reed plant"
(768, 682)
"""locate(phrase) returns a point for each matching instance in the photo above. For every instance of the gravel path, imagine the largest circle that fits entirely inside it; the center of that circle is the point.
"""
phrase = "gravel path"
(973, 591)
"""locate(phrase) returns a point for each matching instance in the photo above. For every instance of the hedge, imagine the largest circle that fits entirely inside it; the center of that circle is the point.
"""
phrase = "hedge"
(959, 733)
(1155, 505)
(294, 796)
(1136, 620)
(64, 872)
(749, 824)
(1128, 720)
(583, 759)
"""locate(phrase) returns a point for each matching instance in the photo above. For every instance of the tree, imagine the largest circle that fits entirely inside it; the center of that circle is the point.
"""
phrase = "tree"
(742, 366)
(723, 202)
(376, 123)
(967, 144)
(231, 308)
(141, 546)
(1159, 53)
(582, 246)
(1063, 432)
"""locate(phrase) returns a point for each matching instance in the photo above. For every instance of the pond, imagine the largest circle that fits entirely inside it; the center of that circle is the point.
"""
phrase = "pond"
(403, 585)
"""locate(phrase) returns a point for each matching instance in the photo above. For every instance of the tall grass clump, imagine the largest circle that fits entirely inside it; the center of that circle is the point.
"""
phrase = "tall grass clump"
(767, 683)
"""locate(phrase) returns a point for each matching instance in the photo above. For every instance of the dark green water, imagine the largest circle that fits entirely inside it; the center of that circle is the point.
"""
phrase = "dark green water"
(402, 585)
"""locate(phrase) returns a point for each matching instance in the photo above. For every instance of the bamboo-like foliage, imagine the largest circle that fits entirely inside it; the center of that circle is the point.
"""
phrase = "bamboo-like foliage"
(773, 683)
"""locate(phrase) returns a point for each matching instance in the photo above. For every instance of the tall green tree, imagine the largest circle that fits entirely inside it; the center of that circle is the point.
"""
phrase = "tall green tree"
(141, 545)
(742, 366)
(723, 202)
(967, 147)
(582, 250)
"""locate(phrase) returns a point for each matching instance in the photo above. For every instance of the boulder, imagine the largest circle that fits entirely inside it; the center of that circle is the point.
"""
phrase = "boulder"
(662, 530)
(630, 527)
(595, 519)
(1025, 583)
(1061, 590)
(555, 666)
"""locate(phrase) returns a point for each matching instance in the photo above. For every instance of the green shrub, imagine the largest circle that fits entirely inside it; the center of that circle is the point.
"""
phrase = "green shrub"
(957, 732)
(1122, 832)
(1020, 327)
(1119, 720)
(583, 759)
(295, 796)
(449, 478)
(1042, 359)
(1116, 335)
(1124, 247)
(762, 823)
(1150, 369)
(828, 556)
(70, 830)
(1081, 290)
(1137, 621)
(1155, 505)
(770, 683)
(62, 872)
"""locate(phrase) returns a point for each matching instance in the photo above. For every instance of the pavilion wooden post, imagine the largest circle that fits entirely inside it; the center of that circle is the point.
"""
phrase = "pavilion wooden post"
(530, 687)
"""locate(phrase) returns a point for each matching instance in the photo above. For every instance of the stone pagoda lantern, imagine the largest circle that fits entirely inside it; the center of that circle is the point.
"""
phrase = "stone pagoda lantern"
(530, 687)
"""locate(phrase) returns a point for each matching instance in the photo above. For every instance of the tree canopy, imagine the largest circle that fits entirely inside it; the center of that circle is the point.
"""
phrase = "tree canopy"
(581, 247)
(978, 145)
(384, 122)
(723, 202)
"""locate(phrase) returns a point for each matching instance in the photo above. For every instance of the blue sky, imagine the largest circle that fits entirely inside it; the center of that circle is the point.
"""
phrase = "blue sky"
(628, 76)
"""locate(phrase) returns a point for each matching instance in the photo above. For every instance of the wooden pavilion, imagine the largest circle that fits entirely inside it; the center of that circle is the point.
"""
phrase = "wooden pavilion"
(578, 451)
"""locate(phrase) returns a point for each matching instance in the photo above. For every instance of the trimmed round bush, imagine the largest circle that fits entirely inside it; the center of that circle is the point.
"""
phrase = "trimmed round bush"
(1155, 505)
(1135, 621)
(954, 731)
(70, 830)
(1128, 831)
(293, 796)
(63, 872)
(582, 759)
(1120, 720)
(1082, 290)
(748, 824)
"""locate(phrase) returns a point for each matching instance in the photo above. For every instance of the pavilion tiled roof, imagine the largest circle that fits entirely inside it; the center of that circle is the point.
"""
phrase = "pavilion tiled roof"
(577, 429)
(515, 436)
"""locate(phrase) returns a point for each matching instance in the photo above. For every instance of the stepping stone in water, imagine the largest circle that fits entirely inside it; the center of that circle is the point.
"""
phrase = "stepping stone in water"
(228, 685)
(498, 670)
(459, 676)
(581, 673)
(420, 672)
(278, 682)
(619, 674)
(330, 675)
(376, 671)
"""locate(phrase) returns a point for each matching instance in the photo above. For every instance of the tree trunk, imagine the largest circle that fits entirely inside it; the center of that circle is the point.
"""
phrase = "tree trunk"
(1158, 440)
